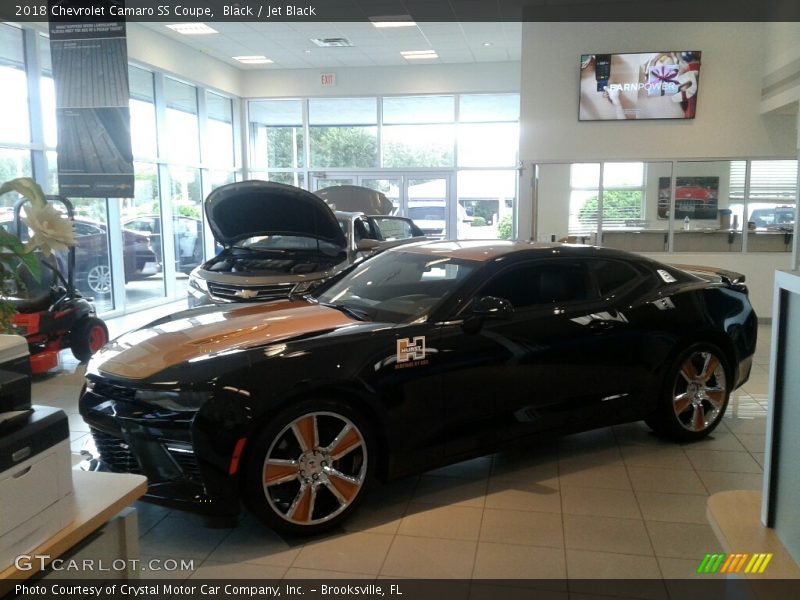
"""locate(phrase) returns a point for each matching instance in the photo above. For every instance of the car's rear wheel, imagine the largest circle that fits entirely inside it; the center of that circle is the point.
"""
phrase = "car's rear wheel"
(695, 394)
(310, 467)
(87, 337)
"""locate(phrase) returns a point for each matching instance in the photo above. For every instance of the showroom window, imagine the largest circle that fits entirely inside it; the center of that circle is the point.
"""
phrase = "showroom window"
(704, 213)
(623, 194)
(182, 132)
(276, 134)
(418, 131)
(219, 128)
(129, 250)
(142, 104)
(14, 83)
(343, 132)
(403, 146)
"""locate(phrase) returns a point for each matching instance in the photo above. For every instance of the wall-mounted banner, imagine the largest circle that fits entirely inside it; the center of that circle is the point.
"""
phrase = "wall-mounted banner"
(90, 70)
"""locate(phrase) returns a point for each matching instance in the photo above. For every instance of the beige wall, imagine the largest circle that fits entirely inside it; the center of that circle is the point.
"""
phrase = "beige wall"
(364, 81)
(728, 123)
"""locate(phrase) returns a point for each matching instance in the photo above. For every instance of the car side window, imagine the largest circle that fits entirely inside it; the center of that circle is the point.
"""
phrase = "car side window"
(394, 229)
(612, 275)
(541, 284)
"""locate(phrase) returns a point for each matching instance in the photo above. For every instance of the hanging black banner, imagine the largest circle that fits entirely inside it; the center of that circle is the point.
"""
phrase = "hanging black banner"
(90, 70)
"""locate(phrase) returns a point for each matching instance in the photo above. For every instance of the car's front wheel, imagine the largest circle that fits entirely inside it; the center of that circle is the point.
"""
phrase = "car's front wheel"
(695, 394)
(310, 467)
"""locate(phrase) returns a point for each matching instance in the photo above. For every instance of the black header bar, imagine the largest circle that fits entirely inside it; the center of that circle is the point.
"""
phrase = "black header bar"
(209, 11)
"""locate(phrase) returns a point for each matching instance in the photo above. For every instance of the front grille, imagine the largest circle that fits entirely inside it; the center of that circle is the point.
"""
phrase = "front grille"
(239, 293)
(186, 462)
(115, 453)
(112, 391)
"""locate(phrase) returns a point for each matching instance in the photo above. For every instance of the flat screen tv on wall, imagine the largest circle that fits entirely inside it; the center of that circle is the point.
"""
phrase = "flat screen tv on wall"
(648, 85)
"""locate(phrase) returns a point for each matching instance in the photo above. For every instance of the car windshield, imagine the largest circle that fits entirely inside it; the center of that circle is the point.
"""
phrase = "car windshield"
(269, 243)
(397, 286)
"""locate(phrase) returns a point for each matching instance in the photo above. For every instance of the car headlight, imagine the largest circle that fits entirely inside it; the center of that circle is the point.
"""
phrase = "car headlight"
(304, 287)
(178, 401)
(198, 283)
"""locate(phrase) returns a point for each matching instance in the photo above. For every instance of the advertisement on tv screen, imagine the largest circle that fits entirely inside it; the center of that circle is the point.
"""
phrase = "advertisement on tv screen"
(650, 85)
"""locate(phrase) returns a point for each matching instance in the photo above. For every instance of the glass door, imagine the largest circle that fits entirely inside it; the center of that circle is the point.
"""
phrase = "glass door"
(428, 201)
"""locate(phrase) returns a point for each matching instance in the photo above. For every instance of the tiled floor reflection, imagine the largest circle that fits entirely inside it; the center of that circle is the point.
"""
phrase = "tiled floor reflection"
(616, 502)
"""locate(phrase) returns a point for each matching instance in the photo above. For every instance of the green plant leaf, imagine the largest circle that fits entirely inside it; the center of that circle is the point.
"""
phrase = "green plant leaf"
(31, 261)
(11, 242)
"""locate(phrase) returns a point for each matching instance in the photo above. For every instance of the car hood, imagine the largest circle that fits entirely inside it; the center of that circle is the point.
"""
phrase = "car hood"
(246, 209)
(196, 335)
(354, 198)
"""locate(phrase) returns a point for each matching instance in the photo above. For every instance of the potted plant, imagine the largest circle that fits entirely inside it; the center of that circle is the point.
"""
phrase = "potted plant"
(50, 231)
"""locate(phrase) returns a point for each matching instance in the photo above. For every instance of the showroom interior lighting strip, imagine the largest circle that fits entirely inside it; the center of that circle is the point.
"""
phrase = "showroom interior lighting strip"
(418, 54)
(192, 28)
(254, 60)
(392, 22)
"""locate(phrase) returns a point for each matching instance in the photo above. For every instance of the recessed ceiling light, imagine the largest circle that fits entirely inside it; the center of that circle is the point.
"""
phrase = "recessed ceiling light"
(487, 44)
(192, 28)
(392, 21)
(306, 51)
(254, 60)
(418, 54)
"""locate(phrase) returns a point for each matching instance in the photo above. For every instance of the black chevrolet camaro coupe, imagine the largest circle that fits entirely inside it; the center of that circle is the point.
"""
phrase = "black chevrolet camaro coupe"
(426, 354)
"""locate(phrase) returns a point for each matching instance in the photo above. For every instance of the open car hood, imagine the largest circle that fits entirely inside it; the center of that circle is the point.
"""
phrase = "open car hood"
(354, 198)
(246, 209)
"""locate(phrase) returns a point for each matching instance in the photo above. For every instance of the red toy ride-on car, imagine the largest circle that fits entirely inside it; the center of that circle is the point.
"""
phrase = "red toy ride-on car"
(51, 313)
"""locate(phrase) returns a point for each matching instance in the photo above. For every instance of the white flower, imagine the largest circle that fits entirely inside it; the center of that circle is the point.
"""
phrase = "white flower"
(51, 229)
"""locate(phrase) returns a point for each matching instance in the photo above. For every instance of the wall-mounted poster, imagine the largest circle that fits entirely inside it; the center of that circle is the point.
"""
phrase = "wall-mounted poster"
(695, 197)
(648, 85)
(90, 70)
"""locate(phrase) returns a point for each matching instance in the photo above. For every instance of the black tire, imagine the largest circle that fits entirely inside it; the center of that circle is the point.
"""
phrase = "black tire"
(87, 337)
(305, 491)
(694, 394)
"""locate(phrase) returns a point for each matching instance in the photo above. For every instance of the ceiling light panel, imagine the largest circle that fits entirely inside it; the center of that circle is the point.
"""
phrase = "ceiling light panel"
(192, 28)
(254, 60)
(419, 54)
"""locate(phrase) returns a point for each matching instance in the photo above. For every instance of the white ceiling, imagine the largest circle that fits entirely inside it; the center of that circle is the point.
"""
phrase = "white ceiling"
(290, 45)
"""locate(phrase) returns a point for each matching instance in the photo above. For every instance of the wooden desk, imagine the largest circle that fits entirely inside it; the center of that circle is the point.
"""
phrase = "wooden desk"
(98, 497)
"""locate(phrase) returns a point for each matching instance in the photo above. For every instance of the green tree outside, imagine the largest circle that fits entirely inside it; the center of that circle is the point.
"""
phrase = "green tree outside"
(618, 205)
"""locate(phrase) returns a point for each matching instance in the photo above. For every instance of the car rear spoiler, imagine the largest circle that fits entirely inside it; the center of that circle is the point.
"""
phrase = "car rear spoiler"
(727, 277)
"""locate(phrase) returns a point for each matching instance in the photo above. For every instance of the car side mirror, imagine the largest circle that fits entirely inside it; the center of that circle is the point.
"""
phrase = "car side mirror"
(367, 245)
(487, 307)
(492, 307)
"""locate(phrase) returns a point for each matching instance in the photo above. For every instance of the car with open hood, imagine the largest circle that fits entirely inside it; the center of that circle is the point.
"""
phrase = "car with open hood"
(280, 240)
(422, 355)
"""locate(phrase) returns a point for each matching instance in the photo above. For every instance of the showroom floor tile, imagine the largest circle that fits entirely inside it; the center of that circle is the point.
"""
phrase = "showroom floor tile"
(616, 502)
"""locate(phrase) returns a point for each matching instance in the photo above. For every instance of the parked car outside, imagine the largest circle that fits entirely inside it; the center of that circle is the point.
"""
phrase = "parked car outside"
(92, 270)
(188, 238)
(431, 217)
(422, 355)
(280, 240)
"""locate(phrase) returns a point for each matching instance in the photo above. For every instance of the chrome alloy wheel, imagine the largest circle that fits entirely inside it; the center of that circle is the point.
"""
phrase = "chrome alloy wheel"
(699, 392)
(315, 468)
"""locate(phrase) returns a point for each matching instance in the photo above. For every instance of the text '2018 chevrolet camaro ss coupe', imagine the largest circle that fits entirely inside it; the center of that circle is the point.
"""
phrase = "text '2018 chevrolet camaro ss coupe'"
(424, 355)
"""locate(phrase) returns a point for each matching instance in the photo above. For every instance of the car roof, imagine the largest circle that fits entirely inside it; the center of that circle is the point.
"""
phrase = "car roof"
(485, 250)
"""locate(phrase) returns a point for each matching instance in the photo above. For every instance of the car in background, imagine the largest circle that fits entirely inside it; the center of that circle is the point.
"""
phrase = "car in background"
(777, 217)
(425, 354)
(92, 270)
(431, 217)
(279, 240)
(187, 232)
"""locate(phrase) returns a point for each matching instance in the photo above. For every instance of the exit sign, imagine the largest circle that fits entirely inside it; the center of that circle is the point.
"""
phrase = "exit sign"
(327, 79)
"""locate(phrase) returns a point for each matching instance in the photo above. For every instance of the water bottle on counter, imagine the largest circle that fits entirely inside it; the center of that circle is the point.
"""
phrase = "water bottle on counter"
(686, 223)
